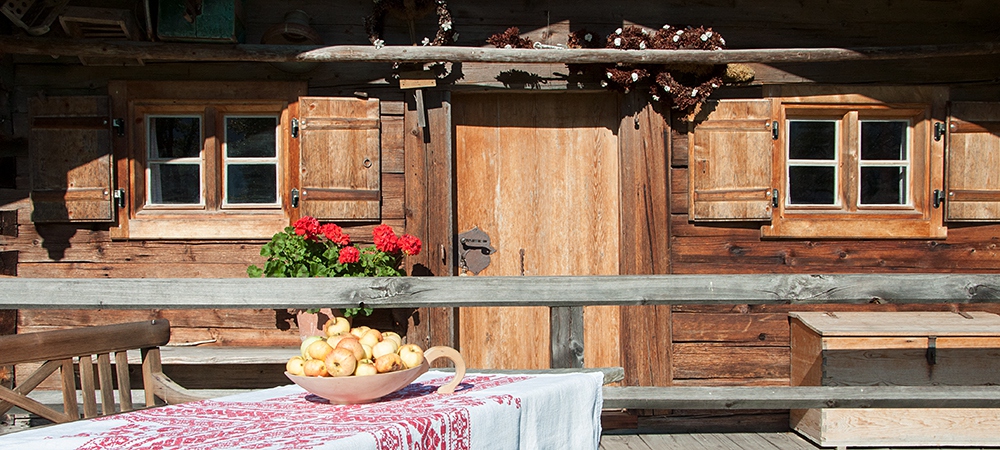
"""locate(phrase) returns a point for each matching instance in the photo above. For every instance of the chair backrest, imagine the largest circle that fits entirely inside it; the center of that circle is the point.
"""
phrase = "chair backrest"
(90, 350)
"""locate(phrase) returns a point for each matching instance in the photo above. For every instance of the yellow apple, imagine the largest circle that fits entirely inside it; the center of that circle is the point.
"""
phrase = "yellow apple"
(365, 367)
(306, 343)
(340, 362)
(333, 340)
(295, 365)
(352, 344)
(411, 355)
(371, 337)
(319, 350)
(314, 368)
(394, 336)
(368, 351)
(360, 331)
(388, 363)
(386, 346)
(336, 325)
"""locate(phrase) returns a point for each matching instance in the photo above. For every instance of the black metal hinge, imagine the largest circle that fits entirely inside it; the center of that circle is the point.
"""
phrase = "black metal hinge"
(938, 198)
(938, 130)
(774, 130)
(295, 127)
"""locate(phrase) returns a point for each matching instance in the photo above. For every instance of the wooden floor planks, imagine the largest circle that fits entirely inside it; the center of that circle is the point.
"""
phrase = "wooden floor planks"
(728, 441)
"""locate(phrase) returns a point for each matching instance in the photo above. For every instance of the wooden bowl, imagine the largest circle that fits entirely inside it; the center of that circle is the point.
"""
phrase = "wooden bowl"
(366, 389)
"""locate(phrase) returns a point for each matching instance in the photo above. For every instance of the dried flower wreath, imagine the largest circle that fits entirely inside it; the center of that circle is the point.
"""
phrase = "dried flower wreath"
(509, 39)
(375, 22)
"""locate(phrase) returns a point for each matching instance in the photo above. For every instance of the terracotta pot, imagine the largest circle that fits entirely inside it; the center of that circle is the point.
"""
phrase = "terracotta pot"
(311, 324)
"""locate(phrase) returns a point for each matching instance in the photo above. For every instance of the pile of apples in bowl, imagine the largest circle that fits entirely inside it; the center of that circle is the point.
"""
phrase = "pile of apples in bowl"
(361, 364)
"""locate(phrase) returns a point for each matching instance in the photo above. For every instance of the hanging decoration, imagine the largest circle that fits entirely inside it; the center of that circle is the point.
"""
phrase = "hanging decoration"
(375, 22)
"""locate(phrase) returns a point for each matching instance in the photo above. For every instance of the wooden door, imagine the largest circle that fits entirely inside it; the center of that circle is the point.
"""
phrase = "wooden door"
(539, 174)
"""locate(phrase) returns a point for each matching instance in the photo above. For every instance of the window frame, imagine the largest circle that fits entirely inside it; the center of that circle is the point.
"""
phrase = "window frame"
(921, 107)
(213, 101)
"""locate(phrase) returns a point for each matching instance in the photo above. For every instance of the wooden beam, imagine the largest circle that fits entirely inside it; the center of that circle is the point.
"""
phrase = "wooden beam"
(416, 292)
(800, 397)
(364, 53)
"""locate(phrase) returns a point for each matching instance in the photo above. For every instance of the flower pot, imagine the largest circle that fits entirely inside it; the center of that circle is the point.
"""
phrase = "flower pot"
(311, 324)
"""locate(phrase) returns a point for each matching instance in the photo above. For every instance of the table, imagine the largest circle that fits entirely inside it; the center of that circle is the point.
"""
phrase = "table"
(487, 411)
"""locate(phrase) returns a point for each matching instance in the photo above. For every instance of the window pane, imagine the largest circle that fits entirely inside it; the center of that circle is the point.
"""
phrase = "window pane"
(173, 184)
(175, 137)
(812, 139)
(251, 183)
(810, 185)
(251, 137)
(883, 140)
(883, 185)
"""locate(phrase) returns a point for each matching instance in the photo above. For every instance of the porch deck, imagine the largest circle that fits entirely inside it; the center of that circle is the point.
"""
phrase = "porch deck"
(723, 441)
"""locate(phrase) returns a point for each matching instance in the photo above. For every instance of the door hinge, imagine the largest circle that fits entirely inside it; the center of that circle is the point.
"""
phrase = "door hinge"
(295, 127)
(295, 198)
(119, 197)
(119, 126)
(774, 130)
(932, 358)
(774, 198)
(938, 130)
(938, 198)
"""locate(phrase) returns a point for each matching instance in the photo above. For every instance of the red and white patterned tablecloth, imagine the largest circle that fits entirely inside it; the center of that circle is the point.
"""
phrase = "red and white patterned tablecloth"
(487, 411)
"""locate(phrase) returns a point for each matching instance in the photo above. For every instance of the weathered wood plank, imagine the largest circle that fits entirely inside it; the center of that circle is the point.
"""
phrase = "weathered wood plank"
(804, 397)
(401, 53)
(414, 292)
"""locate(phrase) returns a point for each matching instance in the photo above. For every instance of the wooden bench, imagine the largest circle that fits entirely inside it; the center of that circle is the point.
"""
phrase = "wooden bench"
(89, 352)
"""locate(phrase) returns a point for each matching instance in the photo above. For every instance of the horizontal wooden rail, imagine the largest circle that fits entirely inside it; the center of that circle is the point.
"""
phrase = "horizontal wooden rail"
(801, 397)
(404, 53)
(414, 292)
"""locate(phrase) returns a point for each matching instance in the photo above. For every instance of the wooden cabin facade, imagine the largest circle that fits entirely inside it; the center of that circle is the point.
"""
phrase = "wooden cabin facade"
(879, 163)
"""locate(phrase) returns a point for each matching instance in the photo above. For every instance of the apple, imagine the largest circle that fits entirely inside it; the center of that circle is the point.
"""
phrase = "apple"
(314, 368)
(371, 337)
(368, 351)
(336, 325)
(352, 344)
(333, 340)
(360, 331)
(295, 365)
(340, 362)
(389, 362)
(411, 355)
(319, 350)
(386, 346)
(365, 367)
(394, 336)
(306, 343)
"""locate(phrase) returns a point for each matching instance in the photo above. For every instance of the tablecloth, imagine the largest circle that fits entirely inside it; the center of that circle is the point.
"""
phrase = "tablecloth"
(488, 411)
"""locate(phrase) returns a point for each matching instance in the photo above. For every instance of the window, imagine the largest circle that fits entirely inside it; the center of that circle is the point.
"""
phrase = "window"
(822, 162)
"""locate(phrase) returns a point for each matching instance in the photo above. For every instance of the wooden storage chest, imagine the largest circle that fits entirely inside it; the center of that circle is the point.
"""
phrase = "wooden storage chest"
(896, 348)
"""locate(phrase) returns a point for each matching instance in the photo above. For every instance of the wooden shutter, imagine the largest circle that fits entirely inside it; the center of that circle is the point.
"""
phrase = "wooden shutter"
(973, 162)
(339, 158)
(71, 159)
(731, 155)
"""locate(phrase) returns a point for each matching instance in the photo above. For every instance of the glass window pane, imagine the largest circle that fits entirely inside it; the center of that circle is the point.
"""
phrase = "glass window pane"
(174, 137)
(251, 183)
(812, 139)
(883, 140)
(175, 184)
(810, 185)
(251, 137)
(883, 185)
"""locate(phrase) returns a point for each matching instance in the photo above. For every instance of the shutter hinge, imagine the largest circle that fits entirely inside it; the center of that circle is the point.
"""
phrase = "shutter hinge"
(774, 198)
(938, 198)
(119, 196)
(774, 130)
(295, 198)
(295, 127)
(119, 126)
(932, 350)
(938, 130)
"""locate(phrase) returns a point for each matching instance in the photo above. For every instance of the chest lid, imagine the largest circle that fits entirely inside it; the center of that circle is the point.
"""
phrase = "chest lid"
(902, 323)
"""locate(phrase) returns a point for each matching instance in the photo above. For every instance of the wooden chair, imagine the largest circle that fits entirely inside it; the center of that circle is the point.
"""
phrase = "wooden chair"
(75, 350)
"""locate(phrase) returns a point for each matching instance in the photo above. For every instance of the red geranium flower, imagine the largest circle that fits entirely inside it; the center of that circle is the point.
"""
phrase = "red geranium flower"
(349, 255)
(335, 234)
(306, 226)
(385, 239)
(410, 244)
